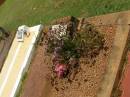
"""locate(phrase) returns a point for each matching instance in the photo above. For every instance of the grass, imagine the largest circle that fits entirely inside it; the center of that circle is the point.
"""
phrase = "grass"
(31, 12)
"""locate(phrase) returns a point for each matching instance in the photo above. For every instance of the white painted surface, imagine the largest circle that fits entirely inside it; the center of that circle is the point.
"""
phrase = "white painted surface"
(9, 70)
(18, 67)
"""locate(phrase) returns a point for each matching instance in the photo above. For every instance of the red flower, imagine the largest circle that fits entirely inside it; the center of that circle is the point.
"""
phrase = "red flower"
(60, 69)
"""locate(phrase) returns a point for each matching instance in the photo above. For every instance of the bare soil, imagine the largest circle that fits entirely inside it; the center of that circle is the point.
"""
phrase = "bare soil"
(2, 1)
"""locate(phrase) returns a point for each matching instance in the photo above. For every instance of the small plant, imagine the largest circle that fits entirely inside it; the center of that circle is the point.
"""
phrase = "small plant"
(90, 41)
(86, 43)
(3, 33)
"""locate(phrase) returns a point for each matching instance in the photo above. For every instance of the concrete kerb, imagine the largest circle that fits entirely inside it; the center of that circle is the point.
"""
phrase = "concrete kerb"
(115, 60)
(121, 67)
(25, 69)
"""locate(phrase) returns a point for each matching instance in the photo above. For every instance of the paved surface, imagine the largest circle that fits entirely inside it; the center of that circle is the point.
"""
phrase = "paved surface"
(15, 64)
(121, 19)
(126, 81)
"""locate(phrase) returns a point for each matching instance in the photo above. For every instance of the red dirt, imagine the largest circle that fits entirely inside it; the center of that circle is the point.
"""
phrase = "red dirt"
(126, 81)
(2, 1)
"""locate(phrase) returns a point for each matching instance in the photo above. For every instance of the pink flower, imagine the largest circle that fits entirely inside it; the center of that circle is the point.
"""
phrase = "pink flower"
(60, 69)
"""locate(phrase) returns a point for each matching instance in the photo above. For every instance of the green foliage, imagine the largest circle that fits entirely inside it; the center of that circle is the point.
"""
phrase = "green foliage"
(70, 49)
(89, 42)
(30, 12)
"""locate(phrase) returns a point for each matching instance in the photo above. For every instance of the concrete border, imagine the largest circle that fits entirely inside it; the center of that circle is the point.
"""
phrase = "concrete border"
(25, 66)
(12, 63)
(116, 56)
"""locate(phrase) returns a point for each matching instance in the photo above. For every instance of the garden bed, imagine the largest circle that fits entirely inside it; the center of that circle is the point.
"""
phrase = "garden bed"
(86, 81)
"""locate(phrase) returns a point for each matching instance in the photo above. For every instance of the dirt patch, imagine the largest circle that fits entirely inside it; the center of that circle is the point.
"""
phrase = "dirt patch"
(85, 83)
(2, 1)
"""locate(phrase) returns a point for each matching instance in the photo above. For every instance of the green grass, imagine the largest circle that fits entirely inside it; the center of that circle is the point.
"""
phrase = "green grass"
(30, 12)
